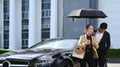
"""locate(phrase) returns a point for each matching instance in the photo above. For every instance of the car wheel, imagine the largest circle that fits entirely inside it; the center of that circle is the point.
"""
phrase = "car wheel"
(66, 64)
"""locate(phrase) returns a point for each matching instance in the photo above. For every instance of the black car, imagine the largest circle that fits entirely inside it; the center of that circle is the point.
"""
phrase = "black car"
(49, 53)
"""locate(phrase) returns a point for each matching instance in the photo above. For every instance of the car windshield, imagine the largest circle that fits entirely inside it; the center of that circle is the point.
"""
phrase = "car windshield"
(57, 44)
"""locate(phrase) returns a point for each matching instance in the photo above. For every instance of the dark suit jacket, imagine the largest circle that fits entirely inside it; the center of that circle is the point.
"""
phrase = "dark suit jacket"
(105, 42)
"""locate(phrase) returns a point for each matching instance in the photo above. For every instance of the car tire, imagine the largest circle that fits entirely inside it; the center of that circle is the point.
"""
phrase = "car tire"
(66, 64)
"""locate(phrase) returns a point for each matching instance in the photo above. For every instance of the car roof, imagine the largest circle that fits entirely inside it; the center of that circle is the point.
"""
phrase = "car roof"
(53, 39)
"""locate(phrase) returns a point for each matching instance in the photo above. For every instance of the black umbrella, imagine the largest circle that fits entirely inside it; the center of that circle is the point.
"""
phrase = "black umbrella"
(87, 13)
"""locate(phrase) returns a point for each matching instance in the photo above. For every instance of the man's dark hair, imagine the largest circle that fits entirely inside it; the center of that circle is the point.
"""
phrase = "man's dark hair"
(103, 25)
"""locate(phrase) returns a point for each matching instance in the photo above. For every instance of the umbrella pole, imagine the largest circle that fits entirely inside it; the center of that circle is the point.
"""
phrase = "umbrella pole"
(73, 19)
(86, 21)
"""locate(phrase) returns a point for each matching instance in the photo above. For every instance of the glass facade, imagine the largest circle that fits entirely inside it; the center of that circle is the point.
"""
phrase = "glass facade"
(25, 23)
(6, 23)
(46, 19)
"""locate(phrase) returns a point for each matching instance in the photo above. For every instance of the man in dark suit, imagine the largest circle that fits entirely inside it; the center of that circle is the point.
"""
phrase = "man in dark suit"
(103, 38)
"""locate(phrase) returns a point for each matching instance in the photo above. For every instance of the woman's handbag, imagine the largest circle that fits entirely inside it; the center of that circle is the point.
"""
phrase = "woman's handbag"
(79, 52)
(95, 54)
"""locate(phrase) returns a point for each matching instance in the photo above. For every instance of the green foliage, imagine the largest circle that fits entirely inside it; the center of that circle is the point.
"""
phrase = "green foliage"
(113, 53)
(4, 51)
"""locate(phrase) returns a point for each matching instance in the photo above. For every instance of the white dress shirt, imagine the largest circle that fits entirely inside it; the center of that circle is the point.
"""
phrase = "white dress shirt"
(98, 36)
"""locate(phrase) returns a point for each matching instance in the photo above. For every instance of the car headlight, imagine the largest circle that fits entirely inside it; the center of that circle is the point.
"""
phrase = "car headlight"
(3, 56)
(45, 60)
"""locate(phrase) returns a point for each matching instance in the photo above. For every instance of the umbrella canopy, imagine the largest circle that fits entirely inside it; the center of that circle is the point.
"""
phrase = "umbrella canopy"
(87, 13)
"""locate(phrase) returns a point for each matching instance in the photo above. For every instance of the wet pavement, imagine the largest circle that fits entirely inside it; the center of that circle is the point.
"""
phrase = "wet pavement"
(113, 64)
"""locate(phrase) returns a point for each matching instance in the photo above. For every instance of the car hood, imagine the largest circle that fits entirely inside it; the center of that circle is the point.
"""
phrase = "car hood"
(31, 54)
(23, 56)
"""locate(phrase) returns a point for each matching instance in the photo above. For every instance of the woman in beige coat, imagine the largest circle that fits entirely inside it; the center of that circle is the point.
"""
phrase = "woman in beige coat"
(89, 44)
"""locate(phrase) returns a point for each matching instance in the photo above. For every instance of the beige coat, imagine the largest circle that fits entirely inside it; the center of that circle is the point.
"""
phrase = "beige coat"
(82, 44)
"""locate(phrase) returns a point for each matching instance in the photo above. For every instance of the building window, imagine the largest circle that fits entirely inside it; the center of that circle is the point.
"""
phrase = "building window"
(6, 23)
(46, 19)
(6, 39)
(45, 33)
(6, 16)
(24, 39)
(6, 43)
(6, 34)
(24, 43)
(46, 5)
(25, 14)
(46, 0)
(25, 23)
(46, 13)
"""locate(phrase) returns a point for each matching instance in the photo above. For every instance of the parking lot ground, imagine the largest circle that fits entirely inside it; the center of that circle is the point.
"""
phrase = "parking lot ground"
(113, 64)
